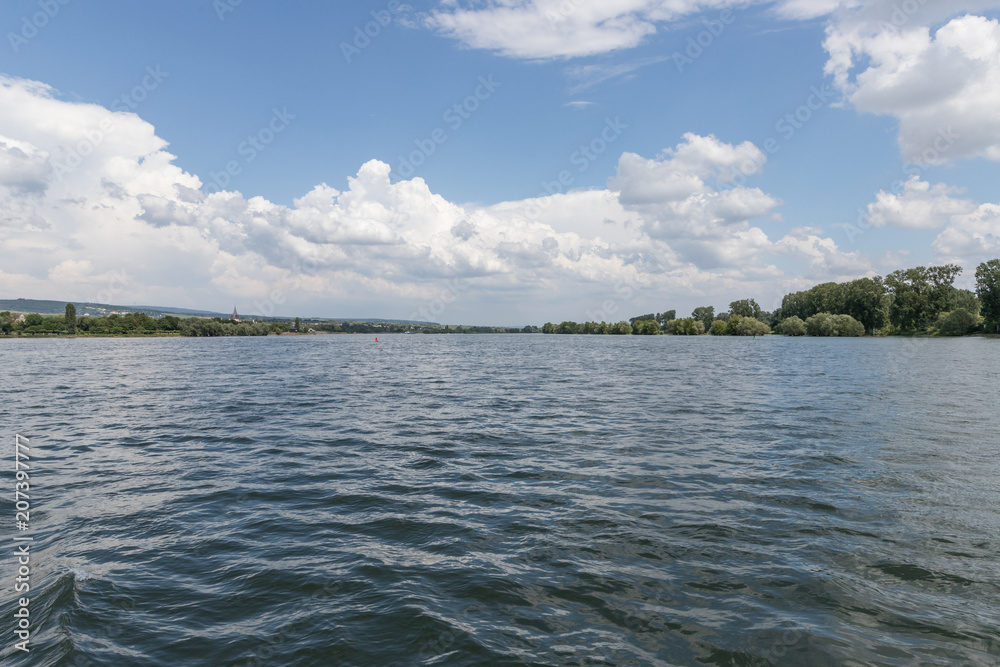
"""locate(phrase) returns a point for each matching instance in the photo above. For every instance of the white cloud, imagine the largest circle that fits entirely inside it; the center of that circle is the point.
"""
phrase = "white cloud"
(22, 166)
(971, 238)
(122, 223)
(543, 29)
(686, 200)
(824, 256)
(918, 206)
(970, 231)
(71, 271)
(681, 198)
(943, 85)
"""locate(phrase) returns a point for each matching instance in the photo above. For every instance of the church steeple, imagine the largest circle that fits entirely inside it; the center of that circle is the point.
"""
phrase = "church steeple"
(235, 317)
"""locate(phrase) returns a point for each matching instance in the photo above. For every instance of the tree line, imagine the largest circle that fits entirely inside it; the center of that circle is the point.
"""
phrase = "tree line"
(742, 319)
(131, 324)
(140, 324)
(921, 300)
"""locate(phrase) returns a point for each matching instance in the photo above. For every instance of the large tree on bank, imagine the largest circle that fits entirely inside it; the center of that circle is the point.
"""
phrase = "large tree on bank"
(70, 318)
(988, 291)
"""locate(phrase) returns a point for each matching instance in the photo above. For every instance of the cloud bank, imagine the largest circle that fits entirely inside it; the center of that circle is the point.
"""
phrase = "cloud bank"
(94, 206)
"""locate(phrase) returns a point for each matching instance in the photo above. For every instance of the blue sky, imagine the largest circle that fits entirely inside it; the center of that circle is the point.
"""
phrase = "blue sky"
(321, 212)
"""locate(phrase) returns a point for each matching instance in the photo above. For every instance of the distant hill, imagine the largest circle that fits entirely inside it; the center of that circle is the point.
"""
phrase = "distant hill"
(47, 307)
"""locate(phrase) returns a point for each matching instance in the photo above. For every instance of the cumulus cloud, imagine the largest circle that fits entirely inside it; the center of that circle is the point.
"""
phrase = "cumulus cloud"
(970, 238)
(824, 256)
(22, 166)
(918, 206)
(92, 207)
(943, 84)
(970, 231)
(683, 197)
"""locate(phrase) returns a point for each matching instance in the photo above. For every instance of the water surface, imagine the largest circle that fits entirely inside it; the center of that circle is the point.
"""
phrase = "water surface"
(508, 500)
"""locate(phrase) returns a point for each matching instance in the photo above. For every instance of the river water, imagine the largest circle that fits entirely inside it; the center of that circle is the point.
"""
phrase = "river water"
(506, 500)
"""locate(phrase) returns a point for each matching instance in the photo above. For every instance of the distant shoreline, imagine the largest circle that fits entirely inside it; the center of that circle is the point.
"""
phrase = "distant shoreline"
(349, 333)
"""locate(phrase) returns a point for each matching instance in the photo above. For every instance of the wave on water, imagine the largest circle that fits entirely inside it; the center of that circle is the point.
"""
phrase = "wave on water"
(315, 501)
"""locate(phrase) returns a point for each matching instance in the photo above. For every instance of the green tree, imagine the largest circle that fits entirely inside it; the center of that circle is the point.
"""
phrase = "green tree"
(848, 326)
(745, 308)
(623, 328)
(705, 314)
(820, 324)
(649, 316)
(646, 328)
(865, 300)
(548, 328)
(663, 318)
(53, 324)
(298, 324)
(686, 326)
(792, 326)
(962, 298)
(825, 324)
(70, 318)
(718, 328)
(169, 323)
(957, 323)
(920, 294)
(795, 305)
(751, 326)
(567, 328)
(988, 291)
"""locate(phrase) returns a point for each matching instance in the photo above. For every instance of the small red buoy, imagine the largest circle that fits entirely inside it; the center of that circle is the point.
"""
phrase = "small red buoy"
(376, 339)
